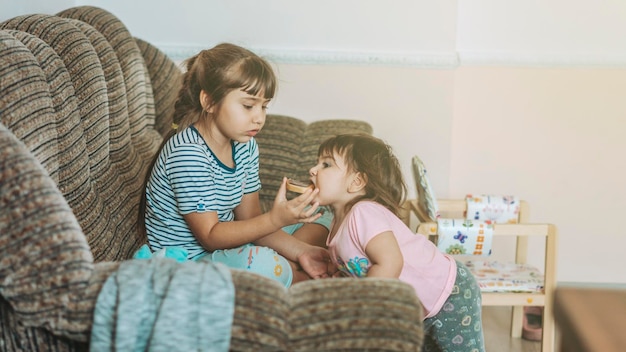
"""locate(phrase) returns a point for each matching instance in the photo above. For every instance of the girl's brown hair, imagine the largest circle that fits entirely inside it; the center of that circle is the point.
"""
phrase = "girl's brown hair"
(217, 72)
(374, 159)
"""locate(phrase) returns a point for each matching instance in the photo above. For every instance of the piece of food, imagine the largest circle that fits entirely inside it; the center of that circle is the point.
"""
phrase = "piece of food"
(298, 186)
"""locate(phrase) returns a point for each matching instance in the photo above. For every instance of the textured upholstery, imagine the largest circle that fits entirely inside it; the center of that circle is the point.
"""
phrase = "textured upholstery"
(354, 314)
(279, 145)
(325, 315)
(93, 166)
(139, 93)
(288, 148)
(83, 106)
(319, 131)
(166, 78)
(48, 279)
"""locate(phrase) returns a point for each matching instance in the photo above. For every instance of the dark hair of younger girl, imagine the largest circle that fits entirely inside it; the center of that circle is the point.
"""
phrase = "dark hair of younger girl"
(217, 71)
(374, 159)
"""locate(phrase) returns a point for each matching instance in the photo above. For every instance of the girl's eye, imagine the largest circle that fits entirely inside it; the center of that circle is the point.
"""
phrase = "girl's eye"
(325, 164)
(248, 107)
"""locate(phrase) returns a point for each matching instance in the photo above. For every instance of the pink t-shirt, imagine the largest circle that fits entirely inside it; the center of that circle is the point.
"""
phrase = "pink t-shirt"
(431, 272)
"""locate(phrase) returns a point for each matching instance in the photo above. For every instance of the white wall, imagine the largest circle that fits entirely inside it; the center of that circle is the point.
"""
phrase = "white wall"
(554, 136)
(406, 27)
(520, 98)
(542, 33)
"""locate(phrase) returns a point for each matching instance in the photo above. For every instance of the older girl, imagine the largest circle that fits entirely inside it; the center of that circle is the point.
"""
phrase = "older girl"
(201, 193)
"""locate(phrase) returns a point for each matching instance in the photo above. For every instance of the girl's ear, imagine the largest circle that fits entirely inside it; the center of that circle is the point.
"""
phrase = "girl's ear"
(205, 101)
(359, 181)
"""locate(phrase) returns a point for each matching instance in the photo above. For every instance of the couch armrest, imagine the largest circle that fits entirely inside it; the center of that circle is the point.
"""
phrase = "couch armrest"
(325, 315)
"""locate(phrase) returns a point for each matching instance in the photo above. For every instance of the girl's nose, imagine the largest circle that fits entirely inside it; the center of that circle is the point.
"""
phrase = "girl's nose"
(313, 171)
(259, 118)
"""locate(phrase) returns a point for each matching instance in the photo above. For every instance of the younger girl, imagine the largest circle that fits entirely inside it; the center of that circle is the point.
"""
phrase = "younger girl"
(201, 193)
(361, 180)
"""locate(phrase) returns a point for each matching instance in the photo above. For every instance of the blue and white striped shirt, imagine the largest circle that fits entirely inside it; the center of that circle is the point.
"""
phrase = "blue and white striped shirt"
(188, 177)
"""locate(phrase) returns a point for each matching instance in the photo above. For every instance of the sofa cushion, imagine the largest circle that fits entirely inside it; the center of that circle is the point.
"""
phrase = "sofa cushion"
(288, 148)
(166, 79)
(319, 131)
(26, 87)
(345, 314)
(88, 178)
(139, 96)
(45, 258)
(351, 314)
(279, 153)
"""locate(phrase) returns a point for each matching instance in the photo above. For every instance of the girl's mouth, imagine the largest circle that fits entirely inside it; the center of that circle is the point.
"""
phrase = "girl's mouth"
(253, 133)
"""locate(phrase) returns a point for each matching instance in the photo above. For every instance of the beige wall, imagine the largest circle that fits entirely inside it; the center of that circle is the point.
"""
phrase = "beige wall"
(556, 138)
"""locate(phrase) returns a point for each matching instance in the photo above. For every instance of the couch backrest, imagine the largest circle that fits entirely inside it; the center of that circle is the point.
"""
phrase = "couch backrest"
(139, 91)
(288, 147)
(99, 134)
(44, 256)
(279, 153)
(319, 131)
(166, 78)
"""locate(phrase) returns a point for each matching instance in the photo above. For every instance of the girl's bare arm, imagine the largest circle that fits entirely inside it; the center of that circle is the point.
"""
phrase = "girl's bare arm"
(250, 225)
(385, 256)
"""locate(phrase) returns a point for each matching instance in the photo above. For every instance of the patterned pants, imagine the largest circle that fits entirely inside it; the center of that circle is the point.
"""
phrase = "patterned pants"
(260, 260)
(458, 326)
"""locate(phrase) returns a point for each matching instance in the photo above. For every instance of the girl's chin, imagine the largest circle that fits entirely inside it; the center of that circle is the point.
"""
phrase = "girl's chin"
(320, 201)
(243, 139)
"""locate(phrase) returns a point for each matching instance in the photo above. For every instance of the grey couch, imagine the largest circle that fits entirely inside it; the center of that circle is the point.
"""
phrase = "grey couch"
(83, 106)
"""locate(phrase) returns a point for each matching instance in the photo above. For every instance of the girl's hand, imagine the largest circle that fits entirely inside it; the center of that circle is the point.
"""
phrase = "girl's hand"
(340, 273)
(316, 262)
(300, 209)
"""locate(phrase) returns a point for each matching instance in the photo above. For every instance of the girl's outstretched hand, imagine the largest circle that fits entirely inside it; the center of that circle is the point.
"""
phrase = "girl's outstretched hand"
(300, 209)
(316, 262)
